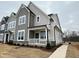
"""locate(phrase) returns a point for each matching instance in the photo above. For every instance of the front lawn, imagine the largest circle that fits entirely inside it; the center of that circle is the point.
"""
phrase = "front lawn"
(13, 51)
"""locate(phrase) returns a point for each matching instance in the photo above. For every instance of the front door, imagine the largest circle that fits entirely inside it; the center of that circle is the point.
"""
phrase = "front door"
(7, 36)
(37, 37)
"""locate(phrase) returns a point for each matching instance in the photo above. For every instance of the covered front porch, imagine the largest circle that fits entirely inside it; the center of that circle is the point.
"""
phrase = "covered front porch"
(37, 36)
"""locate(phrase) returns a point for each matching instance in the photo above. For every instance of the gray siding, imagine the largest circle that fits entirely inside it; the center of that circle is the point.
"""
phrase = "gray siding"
(21, 12)
(11, 18)
(32, 18)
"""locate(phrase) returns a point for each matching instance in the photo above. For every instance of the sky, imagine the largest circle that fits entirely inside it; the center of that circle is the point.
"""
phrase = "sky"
(68, 11)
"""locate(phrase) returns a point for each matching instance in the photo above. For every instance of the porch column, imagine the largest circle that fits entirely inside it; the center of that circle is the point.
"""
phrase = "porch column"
(28, 36)
(46, 33)
(4, 38)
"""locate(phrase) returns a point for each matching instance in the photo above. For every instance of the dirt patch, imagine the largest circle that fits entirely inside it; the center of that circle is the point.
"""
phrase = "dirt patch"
(73, 50)
(24, 52)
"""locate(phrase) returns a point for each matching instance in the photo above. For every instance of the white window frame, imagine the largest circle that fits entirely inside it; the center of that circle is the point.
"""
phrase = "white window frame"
(11, 24)
(20, 20)
(39, 18)
(24, 35)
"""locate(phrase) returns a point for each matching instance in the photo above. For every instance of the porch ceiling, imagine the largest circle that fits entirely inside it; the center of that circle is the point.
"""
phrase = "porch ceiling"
(37, 27)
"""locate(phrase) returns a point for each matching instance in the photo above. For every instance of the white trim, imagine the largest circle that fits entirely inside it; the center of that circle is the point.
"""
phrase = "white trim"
(36, 28)
(24, 35)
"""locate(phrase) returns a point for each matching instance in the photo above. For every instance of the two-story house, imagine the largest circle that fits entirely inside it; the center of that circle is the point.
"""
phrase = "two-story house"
(11, 27)
(31, 26)
(3, 29)
(34, 27)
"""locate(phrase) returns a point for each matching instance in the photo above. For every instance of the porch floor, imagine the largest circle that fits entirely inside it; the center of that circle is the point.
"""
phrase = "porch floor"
(12, 51)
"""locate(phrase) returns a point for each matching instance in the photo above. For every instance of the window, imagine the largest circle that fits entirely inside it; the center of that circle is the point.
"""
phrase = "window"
(22, 20)
(14, 24)
(21, 35)
(37, 18)
(42, 35)
(2, 27)
(11, 24)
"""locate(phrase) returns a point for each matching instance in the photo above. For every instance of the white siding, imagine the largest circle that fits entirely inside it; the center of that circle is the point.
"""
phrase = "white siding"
(51, 34)
(58, 37)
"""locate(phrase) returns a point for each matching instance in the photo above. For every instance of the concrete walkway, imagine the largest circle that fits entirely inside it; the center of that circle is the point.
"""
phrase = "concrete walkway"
(60, 52)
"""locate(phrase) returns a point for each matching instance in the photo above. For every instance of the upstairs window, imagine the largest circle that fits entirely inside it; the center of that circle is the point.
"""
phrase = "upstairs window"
(22, 20)
(37, 18)
(11, 24)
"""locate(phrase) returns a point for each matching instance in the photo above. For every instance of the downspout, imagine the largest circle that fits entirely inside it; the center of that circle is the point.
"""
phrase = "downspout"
(54, 36)
(47, 34)
(3, 37)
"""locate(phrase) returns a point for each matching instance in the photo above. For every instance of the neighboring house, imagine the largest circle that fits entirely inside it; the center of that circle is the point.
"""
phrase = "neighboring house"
(3, 29)
(31, 26)
(2, 34)
(11, 27)
(44, 29)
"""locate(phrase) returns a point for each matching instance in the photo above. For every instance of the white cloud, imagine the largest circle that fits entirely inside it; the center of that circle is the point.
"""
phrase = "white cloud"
(67, 2)
(71, 21)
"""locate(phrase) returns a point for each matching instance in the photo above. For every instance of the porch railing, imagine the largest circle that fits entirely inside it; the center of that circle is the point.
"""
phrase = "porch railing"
(37, 41)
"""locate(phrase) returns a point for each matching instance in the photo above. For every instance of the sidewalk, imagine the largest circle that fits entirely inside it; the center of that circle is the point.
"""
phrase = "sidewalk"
(60, 52)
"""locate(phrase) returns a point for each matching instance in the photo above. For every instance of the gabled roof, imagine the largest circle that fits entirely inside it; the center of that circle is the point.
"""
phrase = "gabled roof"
(50, 14)
(57, 19)
(37, 8)
(12, 14)
(22, 6)
(51, 19)
(4, 20)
